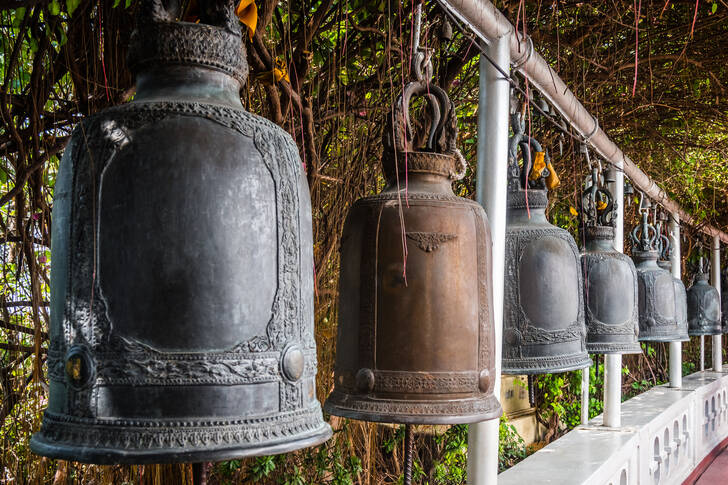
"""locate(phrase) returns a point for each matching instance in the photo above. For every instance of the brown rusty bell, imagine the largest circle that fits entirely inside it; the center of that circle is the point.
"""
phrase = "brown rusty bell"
(416, 336)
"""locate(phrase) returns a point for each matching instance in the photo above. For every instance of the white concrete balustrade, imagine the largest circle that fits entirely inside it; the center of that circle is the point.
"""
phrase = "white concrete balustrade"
(665, 434)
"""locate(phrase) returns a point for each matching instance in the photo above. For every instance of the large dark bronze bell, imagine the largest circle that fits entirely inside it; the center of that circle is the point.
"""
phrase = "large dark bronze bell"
(610, 278)
(543, 327)
(182, 271)
(415, 341)
(703, 306)
(657, 309)
(681, 298)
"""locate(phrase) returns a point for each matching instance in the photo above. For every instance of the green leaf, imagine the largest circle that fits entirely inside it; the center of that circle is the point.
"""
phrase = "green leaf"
(116, 3)
(54, 7)
(714, 8)
(72, 5)
(19, 16)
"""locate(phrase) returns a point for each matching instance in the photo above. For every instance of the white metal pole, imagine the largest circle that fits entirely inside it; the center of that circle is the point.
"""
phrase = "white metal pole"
(585, 395)
(702, 352)
(715, 281)
(613, 362)
(676, 260)
(492, 181)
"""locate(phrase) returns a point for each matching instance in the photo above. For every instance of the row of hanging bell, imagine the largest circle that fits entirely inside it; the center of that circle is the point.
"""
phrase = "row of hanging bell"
(416, 336)
(703, 303)
(543, 324)
(182, 271)
(610, 277)
(658, 310)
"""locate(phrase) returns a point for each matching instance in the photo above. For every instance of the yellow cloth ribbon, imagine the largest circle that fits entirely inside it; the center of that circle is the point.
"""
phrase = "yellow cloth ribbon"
(601, 205)
(247, 12)
(552, 181)
(279, 72)
(538, 165)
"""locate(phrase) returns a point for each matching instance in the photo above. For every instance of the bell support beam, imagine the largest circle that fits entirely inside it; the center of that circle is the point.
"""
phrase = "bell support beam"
(494, 99)
(613, 362)
(675, 347)
(715, 281)
(488, 23)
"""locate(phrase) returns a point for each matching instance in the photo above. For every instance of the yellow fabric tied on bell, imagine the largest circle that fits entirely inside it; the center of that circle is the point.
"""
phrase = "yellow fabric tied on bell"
(573, 211)
(552, 181)
(247, 12)
(539, 163)
(278, 73)
(601, 205)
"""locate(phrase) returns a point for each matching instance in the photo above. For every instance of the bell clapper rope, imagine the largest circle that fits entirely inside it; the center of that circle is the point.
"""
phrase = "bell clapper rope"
(199, 473)
(408, 454)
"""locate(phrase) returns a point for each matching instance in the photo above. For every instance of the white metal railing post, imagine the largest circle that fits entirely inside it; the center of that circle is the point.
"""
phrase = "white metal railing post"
(613, 362)
(585, 395)
(702, 352)
(494, 102)
(676, 260)
(715, 281)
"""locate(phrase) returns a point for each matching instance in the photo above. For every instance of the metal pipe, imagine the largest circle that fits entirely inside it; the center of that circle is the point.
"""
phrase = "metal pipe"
(585, 395)
(675, 260)
(613, 362)
(488, 23)
(715, 281)
(491, 192)
(613, 390)
(702, 352)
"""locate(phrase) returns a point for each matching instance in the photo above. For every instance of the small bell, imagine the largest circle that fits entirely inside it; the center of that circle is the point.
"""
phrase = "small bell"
(628, 191)
(703, 306)
(543, 324)
(681, 299)
(657, 309)
(610, 278)
(416, 335)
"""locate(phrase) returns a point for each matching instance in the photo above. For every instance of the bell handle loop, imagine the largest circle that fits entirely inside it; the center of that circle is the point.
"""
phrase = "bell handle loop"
(645, 233)
(443, 119)
(157, 11)
(218, 13)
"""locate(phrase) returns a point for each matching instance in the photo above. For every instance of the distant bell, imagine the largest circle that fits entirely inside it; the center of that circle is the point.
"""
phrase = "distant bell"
(543, 327)
(182, 272)
(703, 306)
(657, 294)
(610, 278)
(416, 335)
(681, 298)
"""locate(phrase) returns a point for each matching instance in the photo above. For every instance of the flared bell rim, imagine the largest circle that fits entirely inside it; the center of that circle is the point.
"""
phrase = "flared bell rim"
(534, 365)
(697, 332)
(113, 456)
(188, 452)
(664, 338)
(399, 411)
(597, 348)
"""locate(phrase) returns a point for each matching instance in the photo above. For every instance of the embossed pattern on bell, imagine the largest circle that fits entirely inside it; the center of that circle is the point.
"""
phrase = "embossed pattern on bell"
(543, 327)
(181, 317)
(416, 343)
